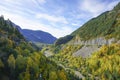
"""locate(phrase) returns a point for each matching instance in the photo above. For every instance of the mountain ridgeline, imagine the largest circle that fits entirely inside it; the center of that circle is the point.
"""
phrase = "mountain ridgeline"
(106, 26)
(38, 36)
(20, 61)
(35, 36)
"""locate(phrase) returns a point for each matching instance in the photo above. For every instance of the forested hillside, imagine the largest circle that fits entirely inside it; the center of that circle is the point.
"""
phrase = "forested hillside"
(108, 21)
(106, 25)
(20, 61)
(103, 64)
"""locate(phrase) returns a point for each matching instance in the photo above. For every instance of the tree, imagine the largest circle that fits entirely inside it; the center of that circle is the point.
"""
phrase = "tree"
(11, 61)
(1, 64)
(53, 75)
(11, 64)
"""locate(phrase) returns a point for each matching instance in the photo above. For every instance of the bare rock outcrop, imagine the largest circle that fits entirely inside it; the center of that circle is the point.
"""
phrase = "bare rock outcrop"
(91, 46)
(86, 51)
(96, 41)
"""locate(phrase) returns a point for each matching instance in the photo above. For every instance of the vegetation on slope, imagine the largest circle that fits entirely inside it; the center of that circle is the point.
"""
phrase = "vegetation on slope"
(20, 61)
(108, 21)
(63, 40)
(103, 64)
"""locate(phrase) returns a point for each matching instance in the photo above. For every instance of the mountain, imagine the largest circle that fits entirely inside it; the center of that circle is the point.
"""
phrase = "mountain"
(35, 36)
(98, 30)
(101, 30)
(20, 61)
(92, 52)
(38, 36)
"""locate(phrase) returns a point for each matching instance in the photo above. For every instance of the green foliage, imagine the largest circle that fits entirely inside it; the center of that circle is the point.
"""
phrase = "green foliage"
(117, 7)
(65, 59)
(103, 64)
(63, 40)
(108, 21)
(109, 57)
(1, 64)
(11, 61)
(94, 28)
(20, 61)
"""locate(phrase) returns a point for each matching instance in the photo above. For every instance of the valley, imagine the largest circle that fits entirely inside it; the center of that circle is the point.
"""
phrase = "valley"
(92, 52)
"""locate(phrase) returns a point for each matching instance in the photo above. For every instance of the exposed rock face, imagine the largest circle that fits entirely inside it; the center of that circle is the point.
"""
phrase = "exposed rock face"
(91, 46)
(97, 41)
(86, 51)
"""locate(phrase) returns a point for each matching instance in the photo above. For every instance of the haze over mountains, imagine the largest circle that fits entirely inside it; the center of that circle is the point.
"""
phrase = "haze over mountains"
(35, 36)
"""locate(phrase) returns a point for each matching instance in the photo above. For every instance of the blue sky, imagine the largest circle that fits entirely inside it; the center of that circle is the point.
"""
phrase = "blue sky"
(58, 17)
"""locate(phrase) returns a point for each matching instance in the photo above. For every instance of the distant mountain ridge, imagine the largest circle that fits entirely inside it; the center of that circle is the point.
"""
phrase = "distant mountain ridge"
(38, 36)
(35, 36)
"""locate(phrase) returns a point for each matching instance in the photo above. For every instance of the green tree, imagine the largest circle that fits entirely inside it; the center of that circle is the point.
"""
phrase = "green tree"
(11, 61)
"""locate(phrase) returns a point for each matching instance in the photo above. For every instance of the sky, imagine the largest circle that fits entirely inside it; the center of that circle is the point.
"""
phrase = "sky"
(58, 17)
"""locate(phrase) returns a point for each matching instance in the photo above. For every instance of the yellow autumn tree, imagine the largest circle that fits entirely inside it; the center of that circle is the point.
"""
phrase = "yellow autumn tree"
(11, 61)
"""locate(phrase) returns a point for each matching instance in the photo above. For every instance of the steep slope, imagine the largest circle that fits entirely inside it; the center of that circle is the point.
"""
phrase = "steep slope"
(102, 30)
(105, 25)
(20, 61)
(98, 30)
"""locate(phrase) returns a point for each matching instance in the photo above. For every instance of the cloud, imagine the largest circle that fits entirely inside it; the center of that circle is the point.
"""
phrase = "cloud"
(112, 4)
(52, 18)
(41, 1)
(95, 7)
(75, 24)
(29, 24)
(26, 19)
(60, 32)
(57, 17)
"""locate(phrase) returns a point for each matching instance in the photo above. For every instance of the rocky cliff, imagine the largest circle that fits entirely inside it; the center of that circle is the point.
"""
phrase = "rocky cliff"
(96, 41)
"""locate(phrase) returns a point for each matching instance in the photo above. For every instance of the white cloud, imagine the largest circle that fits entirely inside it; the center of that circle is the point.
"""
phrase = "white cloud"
(35, 24)
(33, 14)
(29, 24)
(96, 7)
(75, 24)
(52, 18)
(60, 32)
(17, 2)
(41, 1)
(111, 5)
